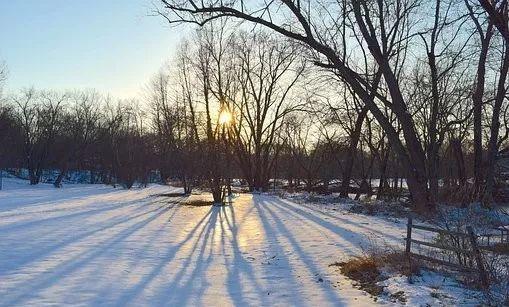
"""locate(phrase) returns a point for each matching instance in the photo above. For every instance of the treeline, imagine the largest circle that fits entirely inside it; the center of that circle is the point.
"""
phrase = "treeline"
(79, 130)
(411, 94)
(230, 105)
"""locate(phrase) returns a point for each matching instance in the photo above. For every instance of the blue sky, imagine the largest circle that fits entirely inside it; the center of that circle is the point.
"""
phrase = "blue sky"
(109, 45)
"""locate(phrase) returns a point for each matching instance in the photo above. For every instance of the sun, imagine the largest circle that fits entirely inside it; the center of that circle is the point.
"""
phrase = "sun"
(225, 117)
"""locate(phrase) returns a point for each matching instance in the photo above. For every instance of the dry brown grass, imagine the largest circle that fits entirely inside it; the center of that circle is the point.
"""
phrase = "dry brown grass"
(501, 248)
(400, 263)
(365, 271)
(197, 203)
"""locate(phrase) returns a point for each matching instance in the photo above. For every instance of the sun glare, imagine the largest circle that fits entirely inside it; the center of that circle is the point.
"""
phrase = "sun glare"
(225, 117)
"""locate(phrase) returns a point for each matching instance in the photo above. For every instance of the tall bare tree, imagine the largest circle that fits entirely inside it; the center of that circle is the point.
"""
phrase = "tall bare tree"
(382, 27)
(268, 73)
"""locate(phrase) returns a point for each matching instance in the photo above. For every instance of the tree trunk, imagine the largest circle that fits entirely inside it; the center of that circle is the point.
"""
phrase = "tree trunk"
(354, 140)
(494, 130)
(477, 98)
(433, 146)
(61, 175)
(419, 193)
(383, 176)
(460, 161)
(217, 192)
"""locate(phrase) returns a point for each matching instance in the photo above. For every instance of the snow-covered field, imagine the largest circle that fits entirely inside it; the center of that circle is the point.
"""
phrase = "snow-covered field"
(95, 245)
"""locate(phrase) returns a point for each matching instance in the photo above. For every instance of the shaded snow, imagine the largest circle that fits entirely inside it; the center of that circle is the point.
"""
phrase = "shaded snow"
(95, 245)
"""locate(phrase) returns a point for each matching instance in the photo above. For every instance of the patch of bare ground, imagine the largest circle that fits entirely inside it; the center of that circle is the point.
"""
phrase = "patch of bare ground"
(196, 203)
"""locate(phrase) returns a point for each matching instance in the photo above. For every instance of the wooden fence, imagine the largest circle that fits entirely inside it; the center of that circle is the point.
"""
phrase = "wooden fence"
(471, 249)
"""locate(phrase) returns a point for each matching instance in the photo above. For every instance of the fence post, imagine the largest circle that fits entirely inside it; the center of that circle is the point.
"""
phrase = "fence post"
(478, 257)
(408, 236)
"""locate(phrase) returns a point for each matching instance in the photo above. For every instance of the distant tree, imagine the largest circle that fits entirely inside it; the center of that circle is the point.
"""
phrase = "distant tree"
(10, 137)
(39, 115)
(174, 122)
(306, 150)
(268, 72)
(78, 130)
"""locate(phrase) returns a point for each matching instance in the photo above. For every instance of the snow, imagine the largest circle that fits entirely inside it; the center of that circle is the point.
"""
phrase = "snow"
(430, 289)
(93, 245)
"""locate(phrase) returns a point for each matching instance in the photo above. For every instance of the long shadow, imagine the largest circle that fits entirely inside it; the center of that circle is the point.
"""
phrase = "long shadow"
(320, 225)
(62, 207)
(336, 235)
(303, 256)
(272, 237)
(324, 223)
(80, 214)
(40, 253)
(183, 292)
(132, 293)
(45, 280)
(105, 293)
(327, 214)
(239, 264)
(55, 197)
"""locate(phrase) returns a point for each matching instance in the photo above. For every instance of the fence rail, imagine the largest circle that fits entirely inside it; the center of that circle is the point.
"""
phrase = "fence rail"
(474, 252)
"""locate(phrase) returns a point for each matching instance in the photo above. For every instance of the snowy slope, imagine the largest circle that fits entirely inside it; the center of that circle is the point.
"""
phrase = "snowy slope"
(95, 245)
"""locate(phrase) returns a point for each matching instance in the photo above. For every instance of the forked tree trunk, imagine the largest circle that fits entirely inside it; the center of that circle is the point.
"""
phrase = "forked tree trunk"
(411, 154)
(61, 175)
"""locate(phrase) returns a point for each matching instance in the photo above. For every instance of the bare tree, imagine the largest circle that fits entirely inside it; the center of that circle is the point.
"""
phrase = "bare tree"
(174, 122)
(498, 12)
(39, 115)
(386, 41)
(77, 132)
(268, 72)
(485, 33)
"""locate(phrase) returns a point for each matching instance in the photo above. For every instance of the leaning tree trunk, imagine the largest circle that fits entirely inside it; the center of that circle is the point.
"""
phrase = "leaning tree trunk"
(63, 172)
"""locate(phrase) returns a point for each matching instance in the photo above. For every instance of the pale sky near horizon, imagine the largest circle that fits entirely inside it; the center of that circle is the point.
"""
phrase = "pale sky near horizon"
(113, 46)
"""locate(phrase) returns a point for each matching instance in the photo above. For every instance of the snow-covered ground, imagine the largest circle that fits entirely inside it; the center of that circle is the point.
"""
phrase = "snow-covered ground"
(95, 245)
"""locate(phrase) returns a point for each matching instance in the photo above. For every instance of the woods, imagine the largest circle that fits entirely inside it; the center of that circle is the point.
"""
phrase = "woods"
(357, 94)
